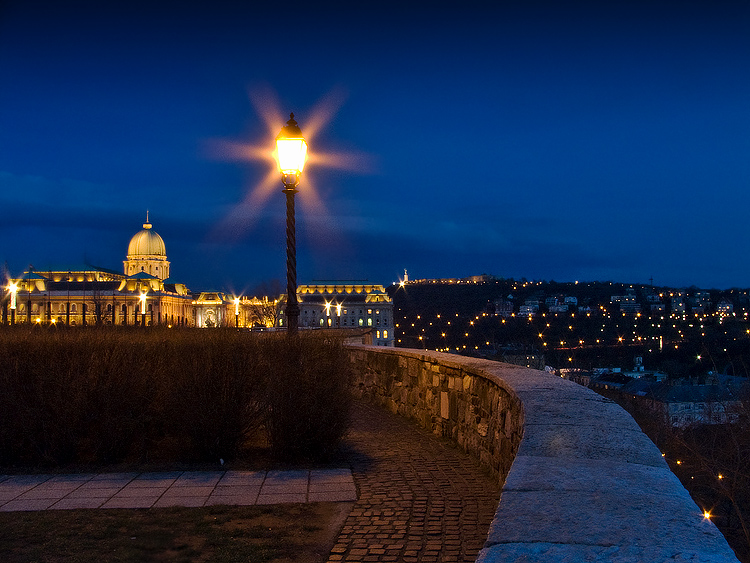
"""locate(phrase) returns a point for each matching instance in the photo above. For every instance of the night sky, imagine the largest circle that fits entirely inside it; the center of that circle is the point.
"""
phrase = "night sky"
(558, 141)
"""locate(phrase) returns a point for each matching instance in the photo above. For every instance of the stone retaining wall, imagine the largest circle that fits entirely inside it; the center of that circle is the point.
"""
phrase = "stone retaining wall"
(581, 481)
(482, 415)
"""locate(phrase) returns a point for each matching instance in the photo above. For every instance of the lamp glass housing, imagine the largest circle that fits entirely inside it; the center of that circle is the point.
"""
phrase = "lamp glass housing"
(291, 154)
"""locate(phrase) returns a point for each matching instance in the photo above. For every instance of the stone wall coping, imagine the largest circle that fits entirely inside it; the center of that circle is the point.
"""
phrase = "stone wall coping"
(586, 483)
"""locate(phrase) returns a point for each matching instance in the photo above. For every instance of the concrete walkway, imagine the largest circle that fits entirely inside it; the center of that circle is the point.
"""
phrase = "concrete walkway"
(175, 488)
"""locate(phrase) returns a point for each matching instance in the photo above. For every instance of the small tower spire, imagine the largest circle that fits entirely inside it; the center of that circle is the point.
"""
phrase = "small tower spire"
(147, 224)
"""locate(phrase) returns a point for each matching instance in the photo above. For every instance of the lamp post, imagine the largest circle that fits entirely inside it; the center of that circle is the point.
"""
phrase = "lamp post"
(236, 312)
(291, 153)
(13, 288)
(143, 309)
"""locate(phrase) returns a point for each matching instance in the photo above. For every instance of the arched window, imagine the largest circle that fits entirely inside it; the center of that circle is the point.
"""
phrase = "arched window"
(73, 308)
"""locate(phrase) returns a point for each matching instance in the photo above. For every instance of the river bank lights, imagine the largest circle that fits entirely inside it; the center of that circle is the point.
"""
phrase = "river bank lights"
(291, 154)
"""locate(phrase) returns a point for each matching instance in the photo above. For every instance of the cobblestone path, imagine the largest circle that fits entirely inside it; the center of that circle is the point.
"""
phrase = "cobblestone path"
(420, 499)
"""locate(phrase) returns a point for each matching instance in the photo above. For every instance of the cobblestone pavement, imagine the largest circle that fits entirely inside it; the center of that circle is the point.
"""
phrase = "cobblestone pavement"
(420, 499)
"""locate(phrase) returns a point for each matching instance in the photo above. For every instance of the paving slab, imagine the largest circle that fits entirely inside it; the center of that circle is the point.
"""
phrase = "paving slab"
(27, 505)
(175, 488)
(281, 497)
(198, 478)
(72, 503)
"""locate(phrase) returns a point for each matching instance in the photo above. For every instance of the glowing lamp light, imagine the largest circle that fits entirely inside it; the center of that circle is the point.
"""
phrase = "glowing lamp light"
(13, 288)
(143, 303)
(707, 515)
(291, 148)
(236, 305)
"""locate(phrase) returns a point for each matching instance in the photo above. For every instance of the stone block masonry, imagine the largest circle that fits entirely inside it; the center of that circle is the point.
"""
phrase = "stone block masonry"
(581, 482)
(483, 416)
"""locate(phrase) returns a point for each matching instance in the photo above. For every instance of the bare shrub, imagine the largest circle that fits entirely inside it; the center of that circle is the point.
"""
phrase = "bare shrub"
(309, 398)
(111, 394)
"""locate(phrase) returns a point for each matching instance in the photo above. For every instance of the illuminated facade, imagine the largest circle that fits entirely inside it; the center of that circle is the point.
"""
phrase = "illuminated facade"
(144, 294)
(347, 305)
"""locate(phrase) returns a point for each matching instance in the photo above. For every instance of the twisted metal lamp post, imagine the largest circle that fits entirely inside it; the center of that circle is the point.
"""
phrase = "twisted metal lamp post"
(291, 152)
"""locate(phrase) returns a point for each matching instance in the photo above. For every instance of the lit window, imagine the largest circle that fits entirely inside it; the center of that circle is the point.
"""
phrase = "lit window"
(369, 322)
(377, 334)
(361, 322)
(385, 334)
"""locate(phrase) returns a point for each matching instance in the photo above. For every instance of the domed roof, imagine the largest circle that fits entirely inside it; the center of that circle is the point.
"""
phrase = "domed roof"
(146, 242)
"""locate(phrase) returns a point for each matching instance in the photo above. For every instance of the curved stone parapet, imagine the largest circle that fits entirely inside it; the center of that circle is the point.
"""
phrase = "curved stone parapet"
(581, 481)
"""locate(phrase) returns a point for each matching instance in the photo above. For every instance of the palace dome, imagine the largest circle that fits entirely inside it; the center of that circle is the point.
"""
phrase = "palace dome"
(146, 243)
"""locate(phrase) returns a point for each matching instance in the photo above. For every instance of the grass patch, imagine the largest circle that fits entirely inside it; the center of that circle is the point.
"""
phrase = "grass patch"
(302, 533)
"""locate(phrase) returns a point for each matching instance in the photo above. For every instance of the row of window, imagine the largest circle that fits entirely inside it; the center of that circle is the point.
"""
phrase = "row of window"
(40, 308)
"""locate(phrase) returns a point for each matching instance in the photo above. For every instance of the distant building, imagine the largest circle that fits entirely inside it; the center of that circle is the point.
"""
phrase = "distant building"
(713, 400)
(143, 294)
(678, 306)
(627, 302)
(504, 308)
(725, 308)
(346, 305)
(529, 309)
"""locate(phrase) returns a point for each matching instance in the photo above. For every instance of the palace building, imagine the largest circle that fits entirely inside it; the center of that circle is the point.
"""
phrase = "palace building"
(145, 294)
(346, 305)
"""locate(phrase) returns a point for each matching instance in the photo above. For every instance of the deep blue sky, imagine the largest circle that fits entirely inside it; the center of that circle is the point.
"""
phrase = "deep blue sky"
(548, 140)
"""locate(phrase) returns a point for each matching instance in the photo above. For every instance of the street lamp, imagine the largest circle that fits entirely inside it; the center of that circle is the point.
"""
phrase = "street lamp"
(13, 288)
(236, 312)
(143, 309)
(291, 153)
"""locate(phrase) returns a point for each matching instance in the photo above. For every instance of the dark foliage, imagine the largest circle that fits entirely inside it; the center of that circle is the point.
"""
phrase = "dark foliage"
(108, 395)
